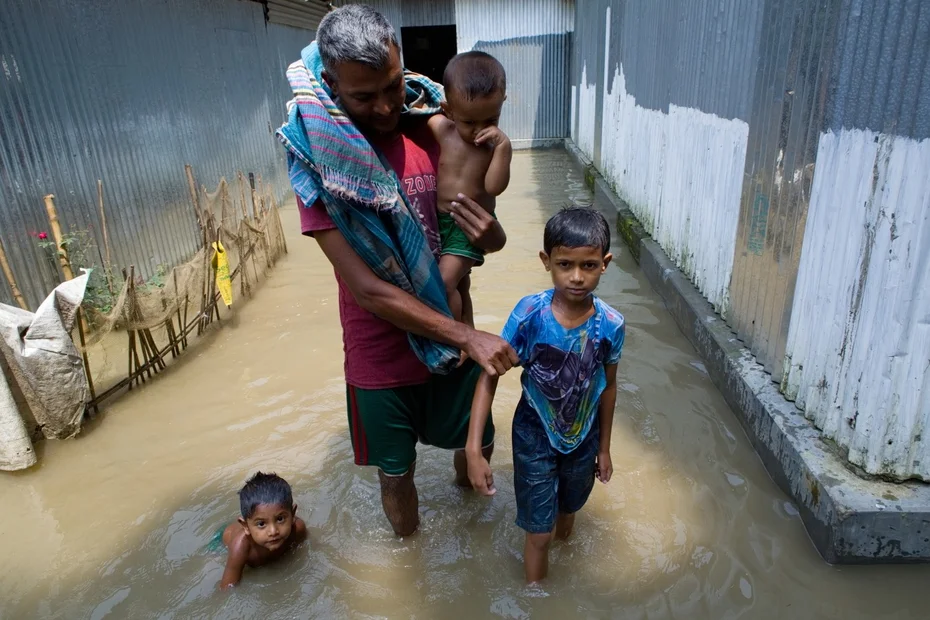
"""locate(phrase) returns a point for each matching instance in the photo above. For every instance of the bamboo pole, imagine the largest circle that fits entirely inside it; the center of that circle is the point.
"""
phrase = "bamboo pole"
(149, 348)
(213, 286)
(106, 236)
(134, 363)
(177, 295)
(192, 186)
(252, 185)
(187, 303)
(55, 225)
(90, 379)
(250, 219)
(245, 211)
(169, 329)
(153, 349)
(130, 348)
(140, 333)
(205, 287)
(8, 274)
(261, 195)
(277, 217)
(56, 234)
(244, 288)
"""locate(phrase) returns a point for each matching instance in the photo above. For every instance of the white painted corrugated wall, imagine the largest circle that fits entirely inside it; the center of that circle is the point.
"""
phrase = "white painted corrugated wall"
(584, 118)
(681, 173)
(858, 354)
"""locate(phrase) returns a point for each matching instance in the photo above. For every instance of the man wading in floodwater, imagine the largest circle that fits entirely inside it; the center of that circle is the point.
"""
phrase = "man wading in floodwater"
(380, 232)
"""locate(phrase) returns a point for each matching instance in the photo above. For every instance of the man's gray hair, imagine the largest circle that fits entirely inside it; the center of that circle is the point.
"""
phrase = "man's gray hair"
(355, 33)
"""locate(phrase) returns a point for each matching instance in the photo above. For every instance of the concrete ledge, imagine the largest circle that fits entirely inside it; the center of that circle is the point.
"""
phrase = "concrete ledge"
(851, 520)
(536, 143)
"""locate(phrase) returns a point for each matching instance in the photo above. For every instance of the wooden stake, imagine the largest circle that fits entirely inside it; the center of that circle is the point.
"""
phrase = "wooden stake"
(55, 225)
(8, 274)
(106, 236)
(205, 290)
(192, 186)
(276, 214)
(140, 334)
(214, 307)
(153, 349)
(252, 185)
(184, 328)
(177, 295)
(56, 234)
(245, 211)
(90, 379)
(261, 194)
(277, 218)
(131, 346)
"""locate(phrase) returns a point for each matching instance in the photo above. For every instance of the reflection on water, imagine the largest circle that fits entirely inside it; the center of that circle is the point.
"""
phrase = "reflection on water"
(116, 523)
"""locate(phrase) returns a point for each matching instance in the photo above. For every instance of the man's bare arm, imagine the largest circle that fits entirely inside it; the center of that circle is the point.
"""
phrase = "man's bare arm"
(407, 312)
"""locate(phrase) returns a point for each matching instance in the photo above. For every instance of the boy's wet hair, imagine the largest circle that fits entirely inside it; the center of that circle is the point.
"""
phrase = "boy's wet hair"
(260, 489)
(474, 75)
(577, 227)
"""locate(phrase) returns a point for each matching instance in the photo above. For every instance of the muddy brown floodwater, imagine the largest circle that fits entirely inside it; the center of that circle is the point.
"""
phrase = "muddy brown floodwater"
(117, 522)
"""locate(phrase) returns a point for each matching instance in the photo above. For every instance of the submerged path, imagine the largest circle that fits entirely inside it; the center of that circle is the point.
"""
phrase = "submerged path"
(118, 521)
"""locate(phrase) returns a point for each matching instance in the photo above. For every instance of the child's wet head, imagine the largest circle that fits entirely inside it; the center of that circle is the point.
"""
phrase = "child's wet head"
(576, 251)
(268, 510)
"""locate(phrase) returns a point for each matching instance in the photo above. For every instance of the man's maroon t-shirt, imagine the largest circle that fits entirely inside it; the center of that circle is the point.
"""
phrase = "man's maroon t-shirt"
(378, 354)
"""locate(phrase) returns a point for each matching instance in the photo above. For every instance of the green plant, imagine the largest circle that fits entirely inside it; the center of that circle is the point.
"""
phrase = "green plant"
(81, 250)
(158, 278)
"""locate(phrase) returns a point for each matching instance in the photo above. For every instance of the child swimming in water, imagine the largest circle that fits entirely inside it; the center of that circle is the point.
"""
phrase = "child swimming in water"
(267, 528)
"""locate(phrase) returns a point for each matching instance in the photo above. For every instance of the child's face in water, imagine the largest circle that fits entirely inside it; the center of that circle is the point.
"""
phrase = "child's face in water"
(576, 272)
(270, 525)
(471, 116)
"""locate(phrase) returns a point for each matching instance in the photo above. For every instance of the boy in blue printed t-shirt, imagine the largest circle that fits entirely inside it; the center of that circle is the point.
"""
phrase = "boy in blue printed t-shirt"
(569, 344)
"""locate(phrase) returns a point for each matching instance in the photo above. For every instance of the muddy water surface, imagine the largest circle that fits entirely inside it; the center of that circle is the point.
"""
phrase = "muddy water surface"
(118, 522)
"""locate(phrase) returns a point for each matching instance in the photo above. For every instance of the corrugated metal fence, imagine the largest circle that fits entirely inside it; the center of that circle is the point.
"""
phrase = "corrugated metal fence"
(128, 93)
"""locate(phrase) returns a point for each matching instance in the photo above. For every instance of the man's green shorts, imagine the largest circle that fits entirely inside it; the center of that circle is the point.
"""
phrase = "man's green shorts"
(455, 242)
(385, 425)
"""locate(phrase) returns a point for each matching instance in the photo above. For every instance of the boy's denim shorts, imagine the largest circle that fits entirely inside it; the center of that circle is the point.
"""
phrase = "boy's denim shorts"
(547, 482)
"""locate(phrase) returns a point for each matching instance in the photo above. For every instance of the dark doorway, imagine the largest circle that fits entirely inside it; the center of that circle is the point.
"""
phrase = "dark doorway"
(427, 49)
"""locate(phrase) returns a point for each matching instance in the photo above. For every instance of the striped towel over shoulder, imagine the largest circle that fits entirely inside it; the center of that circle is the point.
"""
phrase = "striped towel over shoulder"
(331, 161)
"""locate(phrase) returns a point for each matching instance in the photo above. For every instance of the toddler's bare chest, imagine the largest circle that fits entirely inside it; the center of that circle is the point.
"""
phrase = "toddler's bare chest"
(464, 166)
